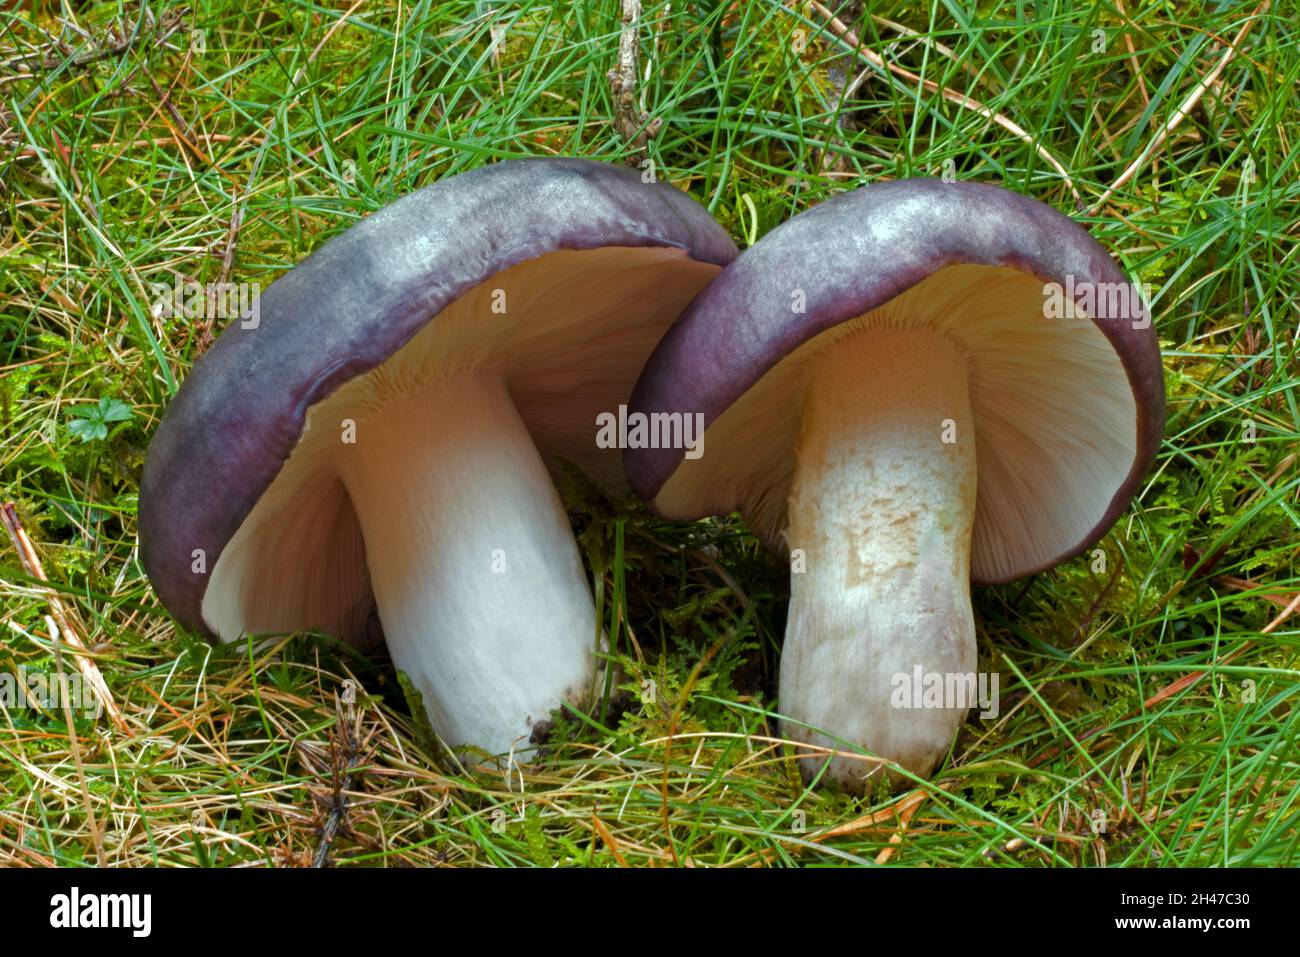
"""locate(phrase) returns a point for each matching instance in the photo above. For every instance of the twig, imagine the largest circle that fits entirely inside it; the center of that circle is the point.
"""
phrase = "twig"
(1091, 613)
(838, 27)
(829, 160)
(1181, 113)
(1132, 54)
(607, 838)
(347, 750)
(232, 241)
(31, 563)
(905, 812)
(182, 126)
(91, 824)
(55, 54)
(905, 805)
(633, 123)
(181, 130)
(1245, 584)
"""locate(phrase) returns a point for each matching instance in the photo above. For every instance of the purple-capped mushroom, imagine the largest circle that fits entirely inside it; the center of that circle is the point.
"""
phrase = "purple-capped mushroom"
(910, 387)
(376, 436)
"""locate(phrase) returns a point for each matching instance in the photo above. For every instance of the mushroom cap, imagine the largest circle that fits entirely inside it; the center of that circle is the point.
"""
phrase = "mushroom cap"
(352, 305)
(1064, 408)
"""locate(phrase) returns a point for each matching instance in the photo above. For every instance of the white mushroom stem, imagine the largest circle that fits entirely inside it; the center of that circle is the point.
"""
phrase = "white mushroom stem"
(881, 507)
(480, 589)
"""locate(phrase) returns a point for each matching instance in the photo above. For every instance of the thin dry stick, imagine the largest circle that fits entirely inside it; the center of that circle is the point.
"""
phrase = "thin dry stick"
(608, 839)
(227, 266)
(180, 128)
(347, 753)
(838, 27)
(31, 563)
(232, 238)
(1181, 113)
(237, 217)
(632, 121)
(91, 824)
(905, 812)
(904, 808)
(907, 804)
(55, 54)
(1132, 54)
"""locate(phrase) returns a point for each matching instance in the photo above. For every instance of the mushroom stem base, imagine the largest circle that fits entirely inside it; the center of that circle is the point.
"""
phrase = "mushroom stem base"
(880, 517)
(482, 595)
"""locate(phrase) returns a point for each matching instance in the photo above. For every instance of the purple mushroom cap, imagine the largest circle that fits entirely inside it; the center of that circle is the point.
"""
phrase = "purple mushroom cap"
(851, 255)
(350, 306)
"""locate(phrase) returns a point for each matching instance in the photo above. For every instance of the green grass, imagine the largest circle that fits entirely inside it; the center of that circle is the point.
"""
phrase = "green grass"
(305, 122)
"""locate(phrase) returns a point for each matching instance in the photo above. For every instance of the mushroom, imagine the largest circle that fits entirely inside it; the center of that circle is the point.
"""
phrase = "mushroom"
(375, 435)
(887, 390)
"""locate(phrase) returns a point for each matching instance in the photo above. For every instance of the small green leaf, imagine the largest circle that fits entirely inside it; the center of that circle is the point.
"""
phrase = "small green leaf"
(114, 410)
(88, 429)
(94, 421)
